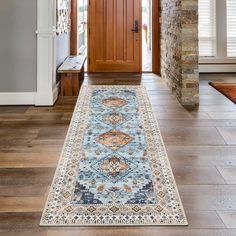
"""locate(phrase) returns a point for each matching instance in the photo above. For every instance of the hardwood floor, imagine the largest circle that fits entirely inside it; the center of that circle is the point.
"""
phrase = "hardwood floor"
(201, 145)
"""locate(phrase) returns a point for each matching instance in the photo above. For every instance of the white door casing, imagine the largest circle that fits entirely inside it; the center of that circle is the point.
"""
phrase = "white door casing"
(47, 90)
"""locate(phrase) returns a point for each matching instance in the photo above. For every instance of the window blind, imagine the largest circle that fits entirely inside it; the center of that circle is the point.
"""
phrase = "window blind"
(231, 28)
(207, 28)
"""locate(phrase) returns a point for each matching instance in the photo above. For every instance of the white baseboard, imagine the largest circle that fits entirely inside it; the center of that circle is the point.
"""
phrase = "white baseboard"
(46, 99)
(27, 98)
(217, 68)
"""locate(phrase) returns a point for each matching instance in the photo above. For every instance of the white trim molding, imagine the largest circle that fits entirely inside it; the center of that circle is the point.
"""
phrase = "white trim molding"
(47, 91)
(217, 68)
(28, 98)
(17, 98)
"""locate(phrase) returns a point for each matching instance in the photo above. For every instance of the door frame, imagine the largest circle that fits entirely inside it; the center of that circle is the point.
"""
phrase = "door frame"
(156, 55)
(155, 34)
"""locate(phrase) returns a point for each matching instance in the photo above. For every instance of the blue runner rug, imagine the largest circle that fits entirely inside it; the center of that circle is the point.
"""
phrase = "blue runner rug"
(114, 169)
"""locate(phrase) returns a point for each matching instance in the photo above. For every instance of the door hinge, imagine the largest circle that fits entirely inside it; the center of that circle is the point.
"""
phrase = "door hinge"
(89, 60)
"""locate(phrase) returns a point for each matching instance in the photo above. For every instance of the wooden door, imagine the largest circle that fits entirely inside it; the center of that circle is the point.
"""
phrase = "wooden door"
(114, 36)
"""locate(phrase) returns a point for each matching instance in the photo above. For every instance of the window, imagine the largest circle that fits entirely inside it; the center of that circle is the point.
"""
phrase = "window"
(82, 25)
(207, 28)
(231, 28)
(217, 31)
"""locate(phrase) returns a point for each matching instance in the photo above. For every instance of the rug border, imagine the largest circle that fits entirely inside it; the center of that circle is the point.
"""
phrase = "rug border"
(168, 161)
(82, 90)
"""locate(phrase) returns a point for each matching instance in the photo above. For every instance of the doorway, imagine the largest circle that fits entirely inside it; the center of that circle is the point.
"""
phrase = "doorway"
(119, 35)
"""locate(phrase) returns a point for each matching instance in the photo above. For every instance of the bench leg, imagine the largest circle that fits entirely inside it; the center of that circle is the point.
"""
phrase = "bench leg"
(81, 76)
(69, 84)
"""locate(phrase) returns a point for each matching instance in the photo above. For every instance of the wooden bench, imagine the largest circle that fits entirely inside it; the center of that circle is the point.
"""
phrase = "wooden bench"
(71, 75)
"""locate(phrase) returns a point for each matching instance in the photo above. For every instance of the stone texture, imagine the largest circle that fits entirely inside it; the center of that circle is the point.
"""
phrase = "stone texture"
(179, 49)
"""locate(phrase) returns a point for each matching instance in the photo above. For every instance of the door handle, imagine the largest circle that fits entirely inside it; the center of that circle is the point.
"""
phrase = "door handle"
(136, 27)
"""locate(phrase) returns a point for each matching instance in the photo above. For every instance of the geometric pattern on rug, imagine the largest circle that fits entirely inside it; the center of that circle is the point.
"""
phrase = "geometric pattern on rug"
(227, 89)
(113, 169)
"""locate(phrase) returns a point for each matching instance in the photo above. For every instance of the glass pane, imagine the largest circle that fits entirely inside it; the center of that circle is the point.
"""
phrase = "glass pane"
(147, 35)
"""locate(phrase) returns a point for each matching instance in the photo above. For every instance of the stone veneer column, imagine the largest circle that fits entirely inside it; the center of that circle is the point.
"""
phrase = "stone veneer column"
(179, 49)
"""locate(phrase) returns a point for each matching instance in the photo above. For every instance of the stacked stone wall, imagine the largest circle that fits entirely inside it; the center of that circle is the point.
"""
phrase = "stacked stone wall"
(179, 49)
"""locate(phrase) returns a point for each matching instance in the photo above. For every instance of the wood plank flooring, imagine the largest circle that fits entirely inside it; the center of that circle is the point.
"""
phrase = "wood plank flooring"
(201, 145)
